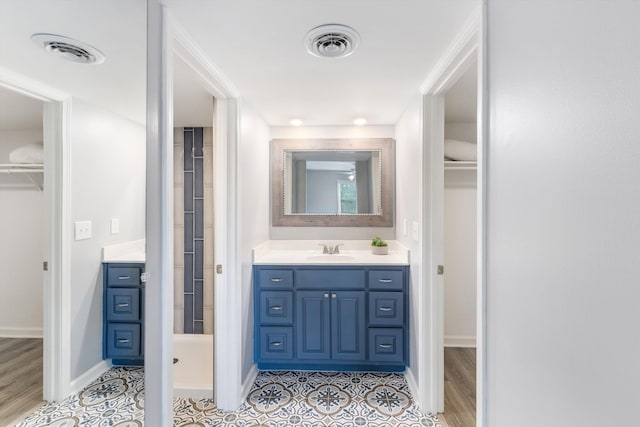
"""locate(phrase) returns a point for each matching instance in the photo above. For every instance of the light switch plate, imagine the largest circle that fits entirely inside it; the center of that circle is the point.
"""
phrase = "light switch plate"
(82, 230)
(115, 225)
(415, 231)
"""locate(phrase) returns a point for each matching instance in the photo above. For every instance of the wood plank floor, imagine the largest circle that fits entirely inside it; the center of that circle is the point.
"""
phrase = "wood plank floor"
(20, 377)
(460, 387)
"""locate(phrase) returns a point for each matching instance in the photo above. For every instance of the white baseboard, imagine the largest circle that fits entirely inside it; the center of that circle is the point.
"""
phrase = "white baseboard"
(459, 341)
(412, 383)
(89, 376)
(248, 382)
(20, 332)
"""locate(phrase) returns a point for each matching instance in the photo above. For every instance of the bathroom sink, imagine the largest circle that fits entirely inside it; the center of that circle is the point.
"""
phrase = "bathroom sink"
(329, 258)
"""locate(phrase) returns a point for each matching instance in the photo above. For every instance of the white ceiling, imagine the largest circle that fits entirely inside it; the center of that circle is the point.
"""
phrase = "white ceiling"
(19, 112)
(259, 46)
(461, 101)
(116, 27)
(192, 104)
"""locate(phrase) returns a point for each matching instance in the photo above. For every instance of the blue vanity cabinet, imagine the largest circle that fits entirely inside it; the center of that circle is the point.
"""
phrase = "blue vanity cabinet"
(331, 317)
(123, 313)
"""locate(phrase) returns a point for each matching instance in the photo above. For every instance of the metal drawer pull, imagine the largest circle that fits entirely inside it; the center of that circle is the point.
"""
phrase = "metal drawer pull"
(385, 345)
(122, 304)
(276, 344)
(276, 279)
(122, 340)
(124, 277)
(333, 295)
(276, 308)
(385, 280)
(326, 295)
(385, 309)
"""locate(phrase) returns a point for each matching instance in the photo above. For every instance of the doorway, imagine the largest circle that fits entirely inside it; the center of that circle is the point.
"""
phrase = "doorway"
(460, 249)
(24, 231)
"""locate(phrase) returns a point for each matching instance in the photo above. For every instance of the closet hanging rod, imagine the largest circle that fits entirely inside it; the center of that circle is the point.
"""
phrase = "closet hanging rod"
(21, 168)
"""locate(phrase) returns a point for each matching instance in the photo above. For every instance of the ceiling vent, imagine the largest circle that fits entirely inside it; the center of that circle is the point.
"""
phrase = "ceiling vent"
(69, 49)
(332, 41)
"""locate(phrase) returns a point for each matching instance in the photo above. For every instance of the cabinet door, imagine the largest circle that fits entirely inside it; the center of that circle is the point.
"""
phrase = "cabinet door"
(348, 327)
(312, 325)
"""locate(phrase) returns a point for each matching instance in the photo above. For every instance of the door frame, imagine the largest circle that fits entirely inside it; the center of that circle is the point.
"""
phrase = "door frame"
(227, 333)
(465, 49)
(166, 38)
(57, 231)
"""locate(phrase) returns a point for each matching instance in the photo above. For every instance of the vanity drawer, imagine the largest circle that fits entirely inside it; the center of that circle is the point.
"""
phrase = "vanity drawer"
(276, 307)
(123, 276)
(386, 279)
(330, 279)
(123, 340)
(280, 279)
(276, 343)
(123, 304)
(386, 309)
(386, 345)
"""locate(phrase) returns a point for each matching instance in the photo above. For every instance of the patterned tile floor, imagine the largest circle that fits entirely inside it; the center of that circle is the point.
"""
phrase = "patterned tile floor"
(277, 399)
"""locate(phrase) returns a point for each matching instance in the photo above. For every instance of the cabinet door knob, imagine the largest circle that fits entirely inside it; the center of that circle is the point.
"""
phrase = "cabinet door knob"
(276, 308)
(122, 340)
(124, 277)
(276, 344)
(385, 309)
(326, 295)
(276, 279)
(333, 295)
(385, 280)
(122, 304)
(385, 345)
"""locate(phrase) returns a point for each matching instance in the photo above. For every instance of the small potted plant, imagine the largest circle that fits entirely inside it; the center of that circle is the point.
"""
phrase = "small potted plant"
(379, 246)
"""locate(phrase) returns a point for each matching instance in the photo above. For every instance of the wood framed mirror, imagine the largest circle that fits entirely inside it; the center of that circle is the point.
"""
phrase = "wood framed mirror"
(332, 182)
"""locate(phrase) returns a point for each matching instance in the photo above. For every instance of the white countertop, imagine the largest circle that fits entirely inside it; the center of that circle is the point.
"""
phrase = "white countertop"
(133, 251)
(309, 252)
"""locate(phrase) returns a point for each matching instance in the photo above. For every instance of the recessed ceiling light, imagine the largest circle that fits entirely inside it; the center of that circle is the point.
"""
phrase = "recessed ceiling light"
(69, 49)
(295, 122)
(360, 121)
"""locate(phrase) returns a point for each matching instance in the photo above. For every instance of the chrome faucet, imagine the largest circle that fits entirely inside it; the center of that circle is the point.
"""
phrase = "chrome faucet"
(330, 250)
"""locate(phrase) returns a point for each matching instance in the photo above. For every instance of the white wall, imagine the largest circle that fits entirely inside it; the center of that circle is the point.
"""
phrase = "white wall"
(460, 256)
(462, 131)
(21, 250)
(409, 197)
(331, 233)
(254, 207)
(563, 213)
(108, 181)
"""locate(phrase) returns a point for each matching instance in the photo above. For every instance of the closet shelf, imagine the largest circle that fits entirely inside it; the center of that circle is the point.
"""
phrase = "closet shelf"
(21, 168)
(460, 165)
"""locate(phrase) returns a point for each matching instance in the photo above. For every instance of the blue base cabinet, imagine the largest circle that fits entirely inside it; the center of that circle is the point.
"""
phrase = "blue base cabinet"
(347, 318)
(123, 313)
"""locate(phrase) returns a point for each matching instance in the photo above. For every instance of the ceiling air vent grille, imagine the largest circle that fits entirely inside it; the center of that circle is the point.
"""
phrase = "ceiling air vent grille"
(332, 41)
(69, 49)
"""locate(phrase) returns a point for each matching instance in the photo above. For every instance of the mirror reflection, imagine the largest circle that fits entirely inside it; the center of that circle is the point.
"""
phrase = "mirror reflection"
(332, 182)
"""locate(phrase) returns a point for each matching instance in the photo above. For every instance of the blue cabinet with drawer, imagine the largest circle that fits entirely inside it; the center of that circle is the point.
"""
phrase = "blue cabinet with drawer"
(347, 318)
(123, 313)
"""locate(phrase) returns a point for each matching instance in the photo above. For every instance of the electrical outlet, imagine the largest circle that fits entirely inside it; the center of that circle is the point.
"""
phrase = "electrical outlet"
(83, 230)
(115, 225)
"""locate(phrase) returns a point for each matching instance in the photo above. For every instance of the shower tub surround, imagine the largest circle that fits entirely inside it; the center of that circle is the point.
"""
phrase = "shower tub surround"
(276, 399)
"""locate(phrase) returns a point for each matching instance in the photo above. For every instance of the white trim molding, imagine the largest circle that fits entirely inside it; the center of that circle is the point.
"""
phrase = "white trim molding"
(456, 60)
(9, 332)
(248, 382)
(460, 341)
(89, 376)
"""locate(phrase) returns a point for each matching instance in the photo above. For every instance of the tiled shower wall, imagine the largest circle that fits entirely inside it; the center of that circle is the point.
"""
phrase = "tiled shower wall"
(193, 230)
